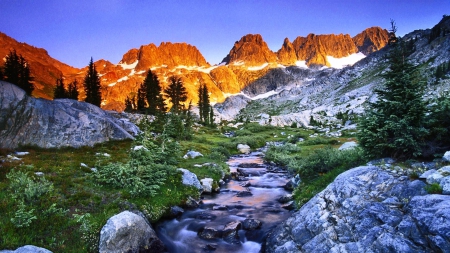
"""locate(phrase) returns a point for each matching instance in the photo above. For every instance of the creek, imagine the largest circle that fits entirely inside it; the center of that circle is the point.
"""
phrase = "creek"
(250, 196)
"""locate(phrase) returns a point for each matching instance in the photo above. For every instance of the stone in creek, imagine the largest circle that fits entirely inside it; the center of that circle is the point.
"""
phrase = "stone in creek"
(209, 233)
(191, 203)
(251, 165)
(285, 198)
(244, 194)
(210, 247)
(289, 205)
(251, 171)
(206, 216)
(176, 211)
(245, 184)
(230, 232)
(220, 208)
(251, 224)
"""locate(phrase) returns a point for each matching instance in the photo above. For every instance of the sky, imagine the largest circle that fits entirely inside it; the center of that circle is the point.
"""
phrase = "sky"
(73, 31)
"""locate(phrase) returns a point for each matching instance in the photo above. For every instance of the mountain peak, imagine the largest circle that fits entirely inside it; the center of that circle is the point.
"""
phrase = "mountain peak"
(371, 39)
(251, 50)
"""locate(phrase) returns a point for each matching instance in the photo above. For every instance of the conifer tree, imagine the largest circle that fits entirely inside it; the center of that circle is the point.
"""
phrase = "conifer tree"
(154, 97)
(129, 104)
(72, 93)
(92, 86)
(141, 97)
(17, 71)
(200, 102)
(211, 115)
(394, 126)
(176, 93)
(60, 91)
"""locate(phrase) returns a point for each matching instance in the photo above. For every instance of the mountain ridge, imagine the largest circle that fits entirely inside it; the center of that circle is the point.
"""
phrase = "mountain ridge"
(249, 59)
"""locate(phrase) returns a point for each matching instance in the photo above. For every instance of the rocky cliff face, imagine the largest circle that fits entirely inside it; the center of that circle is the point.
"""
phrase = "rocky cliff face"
(371, 40)
(52, 124)
(44, 68)
(367, 209)
(250, 50)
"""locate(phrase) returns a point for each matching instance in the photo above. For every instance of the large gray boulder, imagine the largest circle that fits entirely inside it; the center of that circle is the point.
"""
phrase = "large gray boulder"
(27, 249)
(56, 123)
(367, 209)
(128, 232)
(190, 179)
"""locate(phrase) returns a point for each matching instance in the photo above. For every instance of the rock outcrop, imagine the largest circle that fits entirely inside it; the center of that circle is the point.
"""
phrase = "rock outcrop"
(367, 209)
(250, 50)
(52, 124)
(128, 232)
(371, 40)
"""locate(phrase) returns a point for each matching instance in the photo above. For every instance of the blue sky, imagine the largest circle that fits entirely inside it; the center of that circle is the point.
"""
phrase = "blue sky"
(73, 31)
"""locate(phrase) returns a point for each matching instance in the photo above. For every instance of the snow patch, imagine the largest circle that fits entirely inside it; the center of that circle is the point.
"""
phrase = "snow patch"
(258, 67)
(197, 68)
(339, 63)
(129, 66)
(301, 64)
(112, 84)
(140, 72)
(122, 79)
(265, 95)
(158, 67)
(238, 63)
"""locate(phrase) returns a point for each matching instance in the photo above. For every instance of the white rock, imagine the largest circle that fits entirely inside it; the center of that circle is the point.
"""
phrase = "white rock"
(39, 174)
(243, 148)
(445, 185)
(434, 178)
(444, 171)
(207, 185)
(21, 153)
(136, 148)
(446, 156)
(84, 165)
(348, 145)
(427, 173)
(192, 154)
(13, 158)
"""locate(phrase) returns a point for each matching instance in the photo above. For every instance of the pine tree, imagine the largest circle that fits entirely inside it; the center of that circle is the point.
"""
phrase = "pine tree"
(60, 91)
(211, 115)
(206, 106)
(72, 93)
(92, 86)
(394, 126)
(176, 93)
(17, 71)
(141, 97)
(153, 94)
(129, 104)
(200, 102)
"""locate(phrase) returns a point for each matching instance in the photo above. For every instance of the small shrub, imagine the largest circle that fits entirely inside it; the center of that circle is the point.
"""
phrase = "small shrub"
(433, 188)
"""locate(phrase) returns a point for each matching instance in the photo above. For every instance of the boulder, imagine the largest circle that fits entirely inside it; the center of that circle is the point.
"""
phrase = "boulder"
(367, 209)
(434, 178)
(192, 154)
(446, 156)
(427, 173)
(244, 193)
(27, 249)
(285, 198)
(348, 145)
(191, 203)
(293, 183)
(190, 179)
(176, 211)
(230, 232)
(251, 224)
(129, 232)
(444, 171)
(243, 148)
(209, 233)
(55, 123)
(445, 185)
(207, 184)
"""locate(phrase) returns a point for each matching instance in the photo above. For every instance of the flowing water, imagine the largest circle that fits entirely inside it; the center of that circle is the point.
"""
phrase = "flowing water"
(265, 184)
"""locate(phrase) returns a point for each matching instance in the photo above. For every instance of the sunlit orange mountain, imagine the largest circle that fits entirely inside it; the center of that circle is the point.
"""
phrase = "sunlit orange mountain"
(249, 59)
